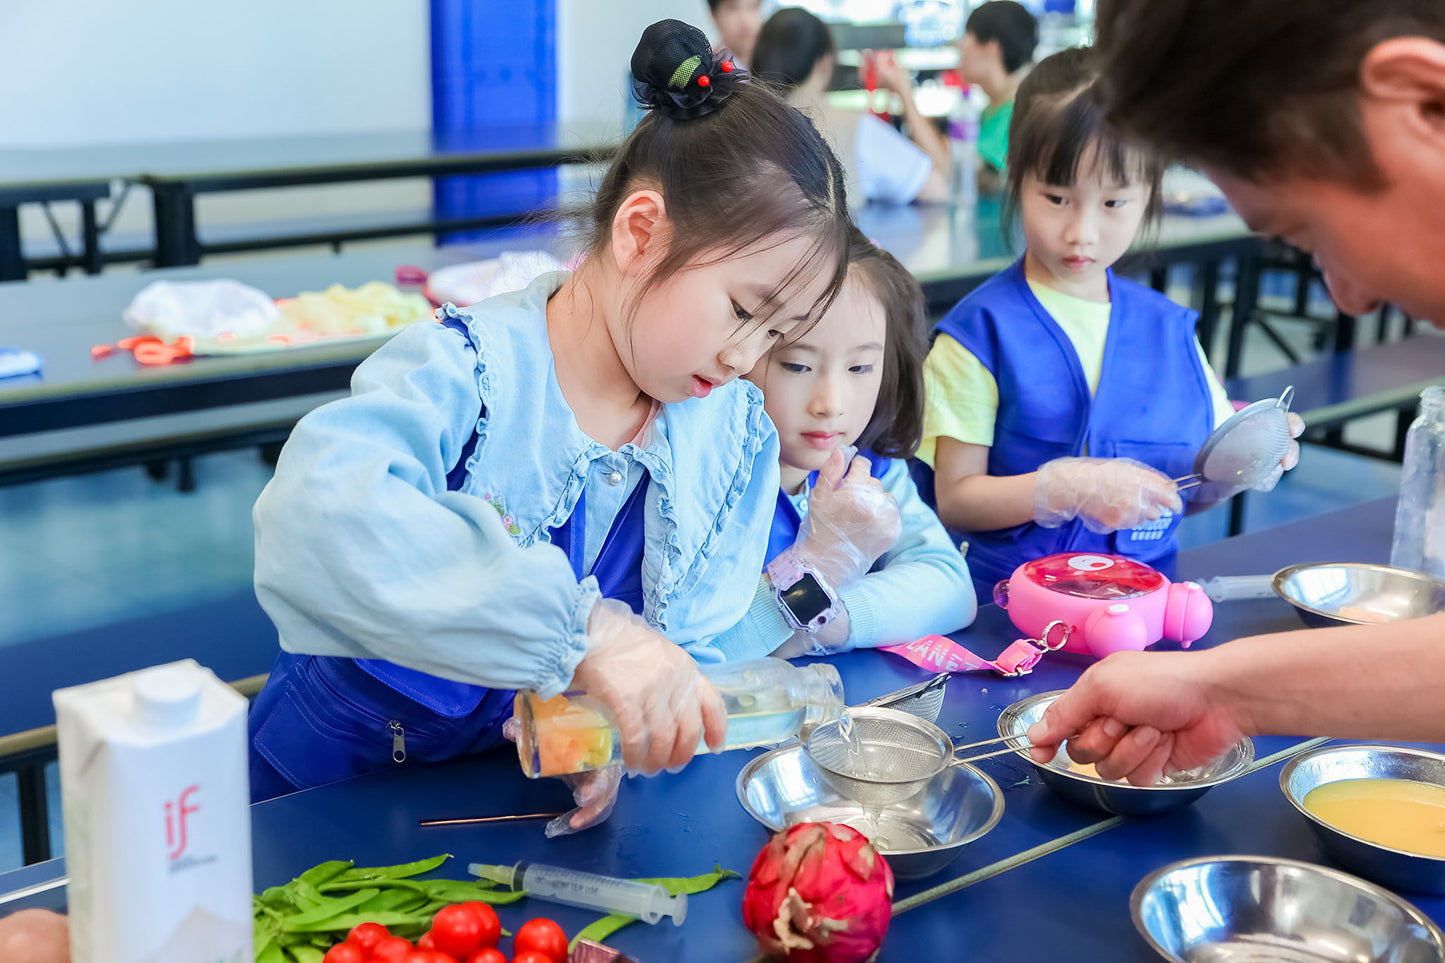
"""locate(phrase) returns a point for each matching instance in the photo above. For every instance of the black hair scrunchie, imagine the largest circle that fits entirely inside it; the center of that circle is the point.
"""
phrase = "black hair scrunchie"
(675, 71)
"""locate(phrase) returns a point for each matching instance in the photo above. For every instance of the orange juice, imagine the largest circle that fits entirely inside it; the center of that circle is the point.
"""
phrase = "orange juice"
(1399, 813)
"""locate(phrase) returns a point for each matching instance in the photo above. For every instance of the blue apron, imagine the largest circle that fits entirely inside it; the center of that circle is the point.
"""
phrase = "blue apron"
(787, 521)
(323, 718)
(1153, 405)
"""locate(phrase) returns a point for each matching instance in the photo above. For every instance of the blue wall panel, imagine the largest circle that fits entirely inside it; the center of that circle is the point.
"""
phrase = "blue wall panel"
(493, 62)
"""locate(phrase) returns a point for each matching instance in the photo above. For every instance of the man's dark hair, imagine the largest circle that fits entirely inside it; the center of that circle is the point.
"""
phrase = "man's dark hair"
(1256, 88)
(1011, 24)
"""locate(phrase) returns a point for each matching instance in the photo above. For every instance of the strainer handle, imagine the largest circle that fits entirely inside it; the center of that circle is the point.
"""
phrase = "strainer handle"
(1285, 397)
(961, 754)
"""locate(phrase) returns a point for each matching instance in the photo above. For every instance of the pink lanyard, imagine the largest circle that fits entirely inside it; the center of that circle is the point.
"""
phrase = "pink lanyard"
(938, 653)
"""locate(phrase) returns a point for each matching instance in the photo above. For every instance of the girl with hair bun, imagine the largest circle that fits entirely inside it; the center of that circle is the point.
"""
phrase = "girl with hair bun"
(563, 487)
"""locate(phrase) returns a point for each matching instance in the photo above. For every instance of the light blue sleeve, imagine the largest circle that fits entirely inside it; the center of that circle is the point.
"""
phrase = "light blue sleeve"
(716, 611)
(361, 551)
(920, 586)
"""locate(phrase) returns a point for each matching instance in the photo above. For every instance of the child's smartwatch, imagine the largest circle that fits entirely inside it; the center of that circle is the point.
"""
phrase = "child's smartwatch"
(807, 602)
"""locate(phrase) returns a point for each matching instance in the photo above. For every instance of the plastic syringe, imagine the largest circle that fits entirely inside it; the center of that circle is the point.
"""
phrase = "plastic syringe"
(648, 902)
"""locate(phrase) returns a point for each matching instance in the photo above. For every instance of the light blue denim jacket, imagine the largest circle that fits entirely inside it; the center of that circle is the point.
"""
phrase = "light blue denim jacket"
(918, 587)
(362, 551)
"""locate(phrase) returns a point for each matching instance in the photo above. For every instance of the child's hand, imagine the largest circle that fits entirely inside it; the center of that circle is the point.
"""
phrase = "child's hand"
(1106, 494)
(1291, 455)
(891, 76)
(661, 704)
(851, 521)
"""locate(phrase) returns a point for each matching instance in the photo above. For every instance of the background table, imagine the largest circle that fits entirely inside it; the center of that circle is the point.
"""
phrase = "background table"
(1067, 899)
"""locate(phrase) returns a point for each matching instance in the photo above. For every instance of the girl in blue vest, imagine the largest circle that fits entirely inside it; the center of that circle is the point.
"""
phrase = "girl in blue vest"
(564, 486)
(855, 557)
(1062, 399)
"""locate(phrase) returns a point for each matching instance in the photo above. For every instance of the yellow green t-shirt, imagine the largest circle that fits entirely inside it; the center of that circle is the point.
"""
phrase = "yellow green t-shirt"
(962, 396)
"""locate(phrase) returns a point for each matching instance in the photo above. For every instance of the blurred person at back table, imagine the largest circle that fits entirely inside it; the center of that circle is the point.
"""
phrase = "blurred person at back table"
(1324, 124)
(738, 23)
(795, 54)
(995, 53)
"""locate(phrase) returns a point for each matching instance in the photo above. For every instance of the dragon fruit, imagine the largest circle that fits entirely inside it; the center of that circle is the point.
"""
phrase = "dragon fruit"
(819, 893)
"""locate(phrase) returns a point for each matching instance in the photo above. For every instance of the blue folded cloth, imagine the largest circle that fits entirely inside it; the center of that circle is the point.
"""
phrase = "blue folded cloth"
(17, 361)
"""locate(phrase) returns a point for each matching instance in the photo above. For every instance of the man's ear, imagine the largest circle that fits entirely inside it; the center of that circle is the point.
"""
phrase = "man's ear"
(1408, 72)
(640, 230)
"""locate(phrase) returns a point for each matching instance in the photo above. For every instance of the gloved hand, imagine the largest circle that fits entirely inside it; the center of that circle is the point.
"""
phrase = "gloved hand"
(851, 521)
(1106, 494)
(594, 792)
(659, 701)
(829, 640)
(1291, 455)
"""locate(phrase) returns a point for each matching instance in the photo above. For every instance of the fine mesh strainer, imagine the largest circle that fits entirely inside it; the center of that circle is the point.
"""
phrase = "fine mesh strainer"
(889, 755)
(1245, 451)
(924, 700)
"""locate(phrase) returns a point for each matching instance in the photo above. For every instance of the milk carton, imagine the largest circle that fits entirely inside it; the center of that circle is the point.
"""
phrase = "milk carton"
(153, 775)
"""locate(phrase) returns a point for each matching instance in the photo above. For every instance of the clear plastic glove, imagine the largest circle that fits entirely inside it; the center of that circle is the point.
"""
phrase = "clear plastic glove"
(659, 701)
(1106, 494)
(595, 793)
(851, 521)
(831, 639)
(1291, 455)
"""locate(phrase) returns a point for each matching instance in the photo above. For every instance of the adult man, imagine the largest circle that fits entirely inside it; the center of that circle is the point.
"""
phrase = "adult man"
(1324, 124)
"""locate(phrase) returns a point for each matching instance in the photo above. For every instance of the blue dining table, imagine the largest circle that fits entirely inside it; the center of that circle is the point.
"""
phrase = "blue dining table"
(1050, 882)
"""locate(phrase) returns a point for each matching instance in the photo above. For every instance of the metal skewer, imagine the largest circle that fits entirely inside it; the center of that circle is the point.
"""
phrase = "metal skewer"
(474, 820)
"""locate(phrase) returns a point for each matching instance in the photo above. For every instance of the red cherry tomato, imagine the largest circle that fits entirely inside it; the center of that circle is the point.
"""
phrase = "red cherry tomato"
(367, 935)
(393, 949)
(456, 931)
(345, 953)
(427, 956)
(489, 954)
(426, 942)
(542, 936)
(532, 956)
(487, 917)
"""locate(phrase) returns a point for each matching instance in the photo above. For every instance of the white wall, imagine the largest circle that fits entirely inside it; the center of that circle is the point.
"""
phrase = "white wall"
(595, 40)
(102, 71)
(83, 72)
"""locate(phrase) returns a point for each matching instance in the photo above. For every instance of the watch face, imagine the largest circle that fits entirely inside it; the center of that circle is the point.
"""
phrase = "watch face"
(806, 599)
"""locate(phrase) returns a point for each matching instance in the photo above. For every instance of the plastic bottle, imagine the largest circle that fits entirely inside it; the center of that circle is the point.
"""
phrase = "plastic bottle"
(1419, 542)
(153, 777)
(768, 701)
(963, 147)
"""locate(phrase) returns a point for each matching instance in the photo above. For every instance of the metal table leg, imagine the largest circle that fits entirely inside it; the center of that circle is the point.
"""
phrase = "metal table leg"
(90, 238)
(1246, 298)
(175, 225)
(12, 258)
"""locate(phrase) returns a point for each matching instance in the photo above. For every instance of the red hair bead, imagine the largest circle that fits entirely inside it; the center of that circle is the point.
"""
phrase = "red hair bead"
(703, 81)
(727, 66)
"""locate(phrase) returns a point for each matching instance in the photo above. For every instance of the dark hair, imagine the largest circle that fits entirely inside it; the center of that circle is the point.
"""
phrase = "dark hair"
(1011, 24)
(1254, 87)
(896, 427)
(1057, 120)
(734, 163)
(789, 46)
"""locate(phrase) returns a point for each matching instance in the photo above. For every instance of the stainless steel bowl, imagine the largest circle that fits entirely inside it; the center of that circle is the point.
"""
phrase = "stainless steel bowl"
(1178, 790)
(1357, 593)
(1259, 908)
(1393, 867)
(920, 835)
